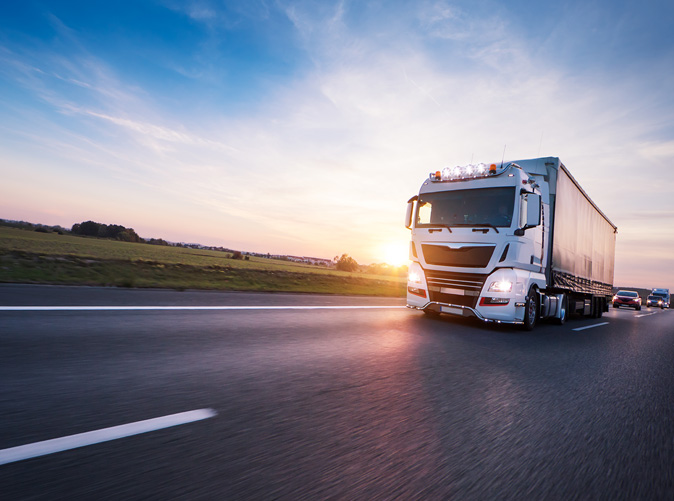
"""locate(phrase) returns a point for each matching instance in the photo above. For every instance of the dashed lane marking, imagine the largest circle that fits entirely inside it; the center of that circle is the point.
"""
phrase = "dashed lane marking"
(149, 308)
(590, 326)
(45, 447)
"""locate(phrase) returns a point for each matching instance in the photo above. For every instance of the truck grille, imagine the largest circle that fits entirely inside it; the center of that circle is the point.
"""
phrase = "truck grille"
(467, 287)
(465, 257)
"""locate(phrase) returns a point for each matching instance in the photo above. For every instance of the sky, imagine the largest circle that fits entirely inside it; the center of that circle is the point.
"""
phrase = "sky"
(303, 127)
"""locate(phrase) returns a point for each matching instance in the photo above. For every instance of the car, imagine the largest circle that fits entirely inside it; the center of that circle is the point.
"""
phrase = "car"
(661, 294)
(655, 301)
(627, 298)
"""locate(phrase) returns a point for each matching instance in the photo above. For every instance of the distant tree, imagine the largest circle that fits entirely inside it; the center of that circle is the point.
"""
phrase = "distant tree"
(157, 241)
(87, 228)
(128, 235)
(345, 263)
(113, 231)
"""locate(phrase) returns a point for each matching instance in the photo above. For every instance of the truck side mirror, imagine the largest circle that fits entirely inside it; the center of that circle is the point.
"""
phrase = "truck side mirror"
(533, 210)
(530, 212)
(410, 211)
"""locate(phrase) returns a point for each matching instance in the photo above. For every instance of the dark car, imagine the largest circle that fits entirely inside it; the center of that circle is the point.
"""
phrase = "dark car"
(627, 298)
(655, 301)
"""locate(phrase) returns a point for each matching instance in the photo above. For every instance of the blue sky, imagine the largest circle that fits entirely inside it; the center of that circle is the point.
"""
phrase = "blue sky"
(303, 127)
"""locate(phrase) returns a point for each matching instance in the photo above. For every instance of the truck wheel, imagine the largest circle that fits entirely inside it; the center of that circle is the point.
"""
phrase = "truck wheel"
(600, 307)
(564, 311)
(531, 309)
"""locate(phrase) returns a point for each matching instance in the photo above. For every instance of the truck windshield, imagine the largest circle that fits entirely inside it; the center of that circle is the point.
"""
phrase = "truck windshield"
(486, 206)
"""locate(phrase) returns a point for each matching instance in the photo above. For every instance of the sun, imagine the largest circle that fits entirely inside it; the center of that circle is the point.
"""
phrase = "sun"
(395, 253)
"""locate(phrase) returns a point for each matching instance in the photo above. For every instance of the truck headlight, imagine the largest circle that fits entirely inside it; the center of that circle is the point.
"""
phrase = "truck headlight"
(501, 286)
(415, 274)
(414, 277)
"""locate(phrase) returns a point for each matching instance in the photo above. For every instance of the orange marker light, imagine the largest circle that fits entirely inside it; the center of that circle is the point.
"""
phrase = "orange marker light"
(492, 169)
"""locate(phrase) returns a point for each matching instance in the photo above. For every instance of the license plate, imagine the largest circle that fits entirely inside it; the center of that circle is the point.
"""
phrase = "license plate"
(456, 292)
(453, 311)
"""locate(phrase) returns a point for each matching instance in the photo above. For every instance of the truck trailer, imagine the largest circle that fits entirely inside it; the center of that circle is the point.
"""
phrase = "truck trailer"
(510, 242)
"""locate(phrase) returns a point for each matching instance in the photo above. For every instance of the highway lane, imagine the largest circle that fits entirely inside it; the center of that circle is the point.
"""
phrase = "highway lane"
(358, 404)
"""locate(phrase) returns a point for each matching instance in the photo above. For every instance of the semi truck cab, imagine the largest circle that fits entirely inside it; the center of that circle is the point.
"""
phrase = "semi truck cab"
(486, 224)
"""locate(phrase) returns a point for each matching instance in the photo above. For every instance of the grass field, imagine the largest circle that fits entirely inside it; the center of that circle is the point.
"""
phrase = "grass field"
(49, 258)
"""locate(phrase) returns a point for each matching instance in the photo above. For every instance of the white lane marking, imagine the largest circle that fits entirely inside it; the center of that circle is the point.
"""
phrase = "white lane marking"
(145, 308)
(645, 314)
(590, 326)
(103, 435)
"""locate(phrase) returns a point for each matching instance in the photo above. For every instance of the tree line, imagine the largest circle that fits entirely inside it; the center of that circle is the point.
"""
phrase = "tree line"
(101, 230)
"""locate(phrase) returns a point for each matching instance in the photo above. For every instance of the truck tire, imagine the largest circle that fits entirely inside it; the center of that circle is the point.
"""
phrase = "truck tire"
(531, 309)
(600, 307)
(564, 313)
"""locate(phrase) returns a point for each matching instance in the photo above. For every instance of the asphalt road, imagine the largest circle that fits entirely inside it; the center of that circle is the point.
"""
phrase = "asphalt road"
(337, 403)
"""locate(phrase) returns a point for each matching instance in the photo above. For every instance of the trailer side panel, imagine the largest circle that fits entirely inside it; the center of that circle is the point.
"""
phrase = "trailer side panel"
(583, 247)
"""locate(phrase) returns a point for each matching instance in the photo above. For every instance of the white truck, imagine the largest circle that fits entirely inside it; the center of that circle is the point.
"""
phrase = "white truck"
(509, 242)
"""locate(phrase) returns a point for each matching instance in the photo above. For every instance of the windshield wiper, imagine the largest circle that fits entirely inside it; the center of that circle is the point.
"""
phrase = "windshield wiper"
(480, 225)
(438, 225)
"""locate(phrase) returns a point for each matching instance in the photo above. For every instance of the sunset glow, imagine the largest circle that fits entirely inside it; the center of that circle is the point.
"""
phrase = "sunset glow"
(396, 253)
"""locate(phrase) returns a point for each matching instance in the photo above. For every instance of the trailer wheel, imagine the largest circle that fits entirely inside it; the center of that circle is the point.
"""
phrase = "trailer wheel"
(531, 309)
(600, 307)
(564, 311)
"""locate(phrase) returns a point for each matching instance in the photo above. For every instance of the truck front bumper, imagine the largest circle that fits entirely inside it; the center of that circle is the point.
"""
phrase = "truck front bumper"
(501, 307)
(463, 311)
